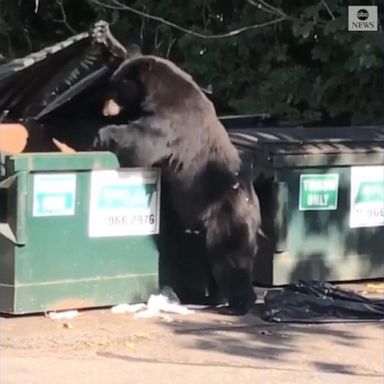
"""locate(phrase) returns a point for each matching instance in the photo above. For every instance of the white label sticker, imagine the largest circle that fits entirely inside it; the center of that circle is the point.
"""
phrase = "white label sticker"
(318, 192)
(124, 203)
(367, 197)
(54, 194)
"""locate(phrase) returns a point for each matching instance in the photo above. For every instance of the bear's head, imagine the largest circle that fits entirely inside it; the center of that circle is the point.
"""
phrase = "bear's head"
(156, 83)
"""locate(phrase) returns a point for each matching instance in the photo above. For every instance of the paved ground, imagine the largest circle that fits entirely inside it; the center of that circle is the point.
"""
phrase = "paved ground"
(101, 347)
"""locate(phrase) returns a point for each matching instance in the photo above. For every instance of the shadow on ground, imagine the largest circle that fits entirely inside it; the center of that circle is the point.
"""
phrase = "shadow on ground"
(248, 342)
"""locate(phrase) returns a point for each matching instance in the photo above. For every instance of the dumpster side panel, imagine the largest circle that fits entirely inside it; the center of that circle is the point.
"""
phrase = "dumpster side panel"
(320, 242)
(62, 267)
(59, 265)
(59, 246)
(7, 261)
(82, 293)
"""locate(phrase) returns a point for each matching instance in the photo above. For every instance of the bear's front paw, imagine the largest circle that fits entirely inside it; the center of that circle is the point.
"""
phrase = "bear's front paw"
(238, 307)
(103, 139)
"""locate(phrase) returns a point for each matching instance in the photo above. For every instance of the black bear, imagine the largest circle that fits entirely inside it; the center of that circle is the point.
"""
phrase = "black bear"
(179, 131)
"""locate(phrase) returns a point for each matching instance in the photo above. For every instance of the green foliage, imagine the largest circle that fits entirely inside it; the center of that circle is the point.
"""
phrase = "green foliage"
(308, 67)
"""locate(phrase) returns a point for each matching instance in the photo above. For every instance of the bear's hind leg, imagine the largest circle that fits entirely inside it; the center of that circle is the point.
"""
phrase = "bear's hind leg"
(232, 273)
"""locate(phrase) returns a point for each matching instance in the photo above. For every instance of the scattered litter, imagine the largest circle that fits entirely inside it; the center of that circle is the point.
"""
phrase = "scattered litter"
(161, 302)
(128, 308)
(63, 147)
(142, 335)
(165, 317)
(375, 288)
(221, 333)
(67, 325)
(158, 306)
(104, 342)
(265, 332)
(198, 306)
(66, 315)
(224, 322)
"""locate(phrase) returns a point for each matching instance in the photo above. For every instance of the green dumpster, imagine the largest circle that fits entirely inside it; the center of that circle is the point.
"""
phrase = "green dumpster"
(322, 199)
(321, 193)
(76, 231)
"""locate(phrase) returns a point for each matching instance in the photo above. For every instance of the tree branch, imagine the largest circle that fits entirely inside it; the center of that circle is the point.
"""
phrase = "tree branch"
(261, 7)
(170, 44)
(142, 28)
(157, 43)
(64, 16)
(123, 7)
(326, 6)
(264, 6)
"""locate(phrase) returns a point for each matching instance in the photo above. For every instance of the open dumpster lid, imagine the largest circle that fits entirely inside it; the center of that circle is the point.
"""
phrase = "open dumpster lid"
(299, 146)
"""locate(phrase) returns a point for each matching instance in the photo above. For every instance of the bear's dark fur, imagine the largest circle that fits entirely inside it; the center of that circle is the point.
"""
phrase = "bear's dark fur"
(178, 130)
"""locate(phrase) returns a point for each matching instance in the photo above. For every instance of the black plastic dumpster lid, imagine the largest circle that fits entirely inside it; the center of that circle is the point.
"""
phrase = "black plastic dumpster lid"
(310, 135)
(313, 146)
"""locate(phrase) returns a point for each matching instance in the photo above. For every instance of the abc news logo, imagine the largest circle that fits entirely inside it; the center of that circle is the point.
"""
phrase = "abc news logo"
(362, 18)
(363, 14)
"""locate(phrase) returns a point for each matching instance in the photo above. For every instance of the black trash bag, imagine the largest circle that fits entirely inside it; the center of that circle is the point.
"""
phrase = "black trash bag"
(319, 302)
